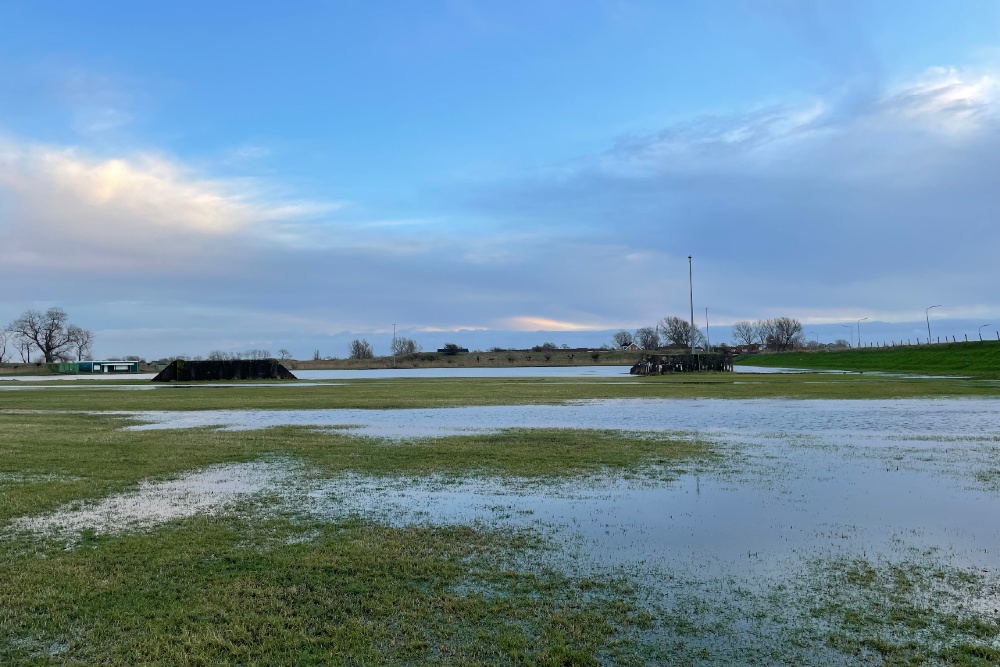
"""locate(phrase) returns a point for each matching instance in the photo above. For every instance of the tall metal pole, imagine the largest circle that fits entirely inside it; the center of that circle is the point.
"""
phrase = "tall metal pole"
(394, 345)
(859, 330)
(927, 314)
(691, 290)
(708, 336)
(981, 330)
(852, 332)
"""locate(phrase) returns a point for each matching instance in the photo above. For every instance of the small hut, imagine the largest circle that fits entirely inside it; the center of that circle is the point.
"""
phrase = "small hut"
(234, 369)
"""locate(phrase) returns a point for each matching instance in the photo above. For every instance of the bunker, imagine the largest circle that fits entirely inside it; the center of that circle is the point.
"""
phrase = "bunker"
(236, 369)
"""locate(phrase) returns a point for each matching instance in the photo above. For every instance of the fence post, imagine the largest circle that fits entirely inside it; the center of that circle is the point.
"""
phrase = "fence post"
(908, 342)
(966, 338)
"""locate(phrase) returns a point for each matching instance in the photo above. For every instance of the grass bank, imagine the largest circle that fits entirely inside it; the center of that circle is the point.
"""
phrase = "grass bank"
(976, 359)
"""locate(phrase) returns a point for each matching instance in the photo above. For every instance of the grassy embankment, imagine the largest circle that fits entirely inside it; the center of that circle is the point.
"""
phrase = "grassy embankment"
(974, 359)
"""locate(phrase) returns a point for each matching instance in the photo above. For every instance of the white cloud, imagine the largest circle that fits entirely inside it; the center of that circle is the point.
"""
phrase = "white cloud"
(60, 196)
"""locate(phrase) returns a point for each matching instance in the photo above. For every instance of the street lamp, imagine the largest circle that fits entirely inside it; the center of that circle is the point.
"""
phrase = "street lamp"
(981, 330)
(691, 292)
(708, 335)
(859, 329)
(817, 336)
(927, 315)
(852, 332)
(394, 345)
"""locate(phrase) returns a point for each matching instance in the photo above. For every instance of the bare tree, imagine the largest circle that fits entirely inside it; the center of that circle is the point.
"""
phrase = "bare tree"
(5, 338)
(786, 333)
(679, 333)
(316, 356)
(81, 341)
(360, 349)
(402, 346)
(648, 338)
(623, 339)
(284, 354)
(744, 333)
(764, 331)
(48, 332)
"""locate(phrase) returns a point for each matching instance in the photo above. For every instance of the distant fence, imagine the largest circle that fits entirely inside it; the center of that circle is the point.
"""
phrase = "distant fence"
(926, 341)
(683, 363)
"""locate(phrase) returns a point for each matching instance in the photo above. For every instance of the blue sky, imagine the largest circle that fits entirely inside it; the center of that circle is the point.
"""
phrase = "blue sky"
(242, 175)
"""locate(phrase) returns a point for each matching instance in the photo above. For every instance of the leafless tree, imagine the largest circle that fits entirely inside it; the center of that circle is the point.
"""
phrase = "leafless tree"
(316, 356)
(784, 333)
(48, 332)
(622, 339)
(648, 338)
(5, 338)
(744, 333)
(679, 333)
(284, 354)
(402, 346)
(764, 331)
(81, 341)
(360, 349)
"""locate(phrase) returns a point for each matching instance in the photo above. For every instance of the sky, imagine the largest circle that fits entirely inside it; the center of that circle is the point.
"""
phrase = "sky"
(196, 176)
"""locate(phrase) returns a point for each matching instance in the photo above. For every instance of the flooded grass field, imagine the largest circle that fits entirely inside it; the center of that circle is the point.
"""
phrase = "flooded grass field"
(589, 530)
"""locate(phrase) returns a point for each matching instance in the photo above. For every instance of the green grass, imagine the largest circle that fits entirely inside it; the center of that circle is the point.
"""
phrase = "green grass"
(430, 393)
(974, 359)
(231, 591)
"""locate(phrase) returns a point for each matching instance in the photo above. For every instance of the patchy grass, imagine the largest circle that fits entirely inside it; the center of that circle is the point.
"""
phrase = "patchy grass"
(441, 392)
(228, 591)
(981, 358)
(910, 613)
(47, 460)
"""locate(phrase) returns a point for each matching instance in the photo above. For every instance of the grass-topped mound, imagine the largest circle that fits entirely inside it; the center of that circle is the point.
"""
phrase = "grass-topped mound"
(979, 358)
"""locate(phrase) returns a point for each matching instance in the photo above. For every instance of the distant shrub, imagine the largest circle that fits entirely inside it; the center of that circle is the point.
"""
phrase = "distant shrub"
(360, 349)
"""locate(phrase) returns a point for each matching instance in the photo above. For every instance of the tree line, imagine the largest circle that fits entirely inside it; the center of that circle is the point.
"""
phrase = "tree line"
(49, 334)
(779, 333)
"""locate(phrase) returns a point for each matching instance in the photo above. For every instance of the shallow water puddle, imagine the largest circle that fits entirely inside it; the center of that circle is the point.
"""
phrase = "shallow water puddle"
(948, 417)
(155, 503)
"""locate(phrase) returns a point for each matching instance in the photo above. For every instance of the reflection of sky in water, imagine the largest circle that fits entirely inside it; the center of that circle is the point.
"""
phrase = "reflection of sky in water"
(806, 477)
(833, 417)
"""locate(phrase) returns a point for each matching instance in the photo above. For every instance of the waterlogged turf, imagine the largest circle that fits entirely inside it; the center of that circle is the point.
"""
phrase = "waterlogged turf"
(758, 531)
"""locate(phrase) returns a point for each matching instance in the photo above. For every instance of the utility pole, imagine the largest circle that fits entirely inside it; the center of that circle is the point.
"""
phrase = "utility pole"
(708, 336)
(691, 291)
(394, 345)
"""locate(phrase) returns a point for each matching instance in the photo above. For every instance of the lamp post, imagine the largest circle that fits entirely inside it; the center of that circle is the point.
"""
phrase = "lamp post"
(394, 345)
(691, 291)
(708, 336)
(927, 315)
(852, 332)
(859, 329)
(981, 330)
(817, 336)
